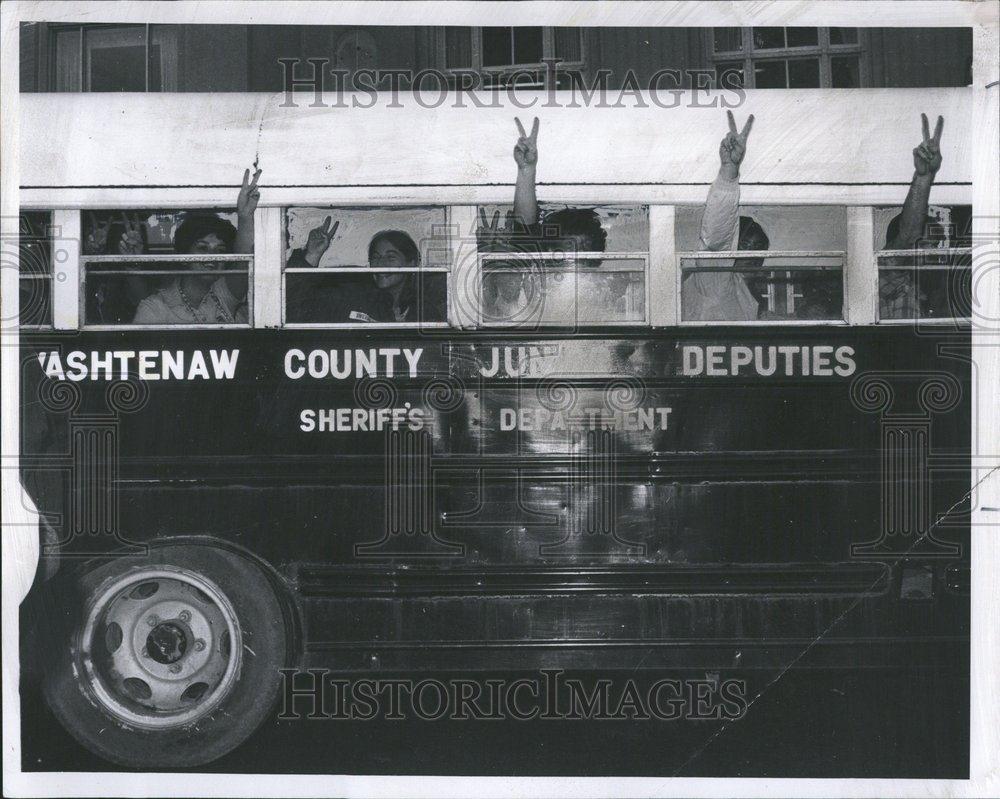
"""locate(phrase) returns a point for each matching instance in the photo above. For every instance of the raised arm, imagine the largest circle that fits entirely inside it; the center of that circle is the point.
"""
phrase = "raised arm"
(317, 244)
(722, 216)
(926, 163)
(526, 157)
(246, 206)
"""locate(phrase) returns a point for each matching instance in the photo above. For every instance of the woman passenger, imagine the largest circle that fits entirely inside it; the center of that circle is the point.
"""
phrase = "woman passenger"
(387, 297)
(198, 298)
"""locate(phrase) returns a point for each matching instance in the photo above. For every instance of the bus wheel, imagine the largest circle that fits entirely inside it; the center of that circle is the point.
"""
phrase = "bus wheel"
(173, 661)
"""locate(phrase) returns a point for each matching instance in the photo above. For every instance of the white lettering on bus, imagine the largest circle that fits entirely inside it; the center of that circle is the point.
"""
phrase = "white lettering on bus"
(792, 360)
(95, 365)
(542, 419)
(365, 420)
(341, 364)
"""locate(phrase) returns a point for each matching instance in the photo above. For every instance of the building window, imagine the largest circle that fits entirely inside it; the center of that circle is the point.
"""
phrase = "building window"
(788, 58)
(114, 58)
(497, 51)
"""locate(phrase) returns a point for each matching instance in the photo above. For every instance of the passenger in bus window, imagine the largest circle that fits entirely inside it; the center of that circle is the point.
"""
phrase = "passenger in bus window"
(526, 291)
(195, 298)
(384, 297)
(112, 299)
(725, 295)
(900, 296)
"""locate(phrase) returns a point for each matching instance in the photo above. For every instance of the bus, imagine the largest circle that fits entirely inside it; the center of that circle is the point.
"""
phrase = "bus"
(232, 503)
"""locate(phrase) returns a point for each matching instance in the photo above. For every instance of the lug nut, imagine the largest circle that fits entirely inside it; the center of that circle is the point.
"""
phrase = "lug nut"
(175, 668)
(145, 652)
(199, 645)
(184, 616)
(152, 621)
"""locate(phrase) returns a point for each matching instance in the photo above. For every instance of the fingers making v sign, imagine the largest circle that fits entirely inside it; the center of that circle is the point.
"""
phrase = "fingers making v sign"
(927, 154)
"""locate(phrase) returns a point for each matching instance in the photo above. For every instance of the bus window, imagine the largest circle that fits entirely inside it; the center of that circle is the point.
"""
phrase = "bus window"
(346, 267)
(932, 281)
(35, 268)
(786, 264)
(577, 267)
(163, 268)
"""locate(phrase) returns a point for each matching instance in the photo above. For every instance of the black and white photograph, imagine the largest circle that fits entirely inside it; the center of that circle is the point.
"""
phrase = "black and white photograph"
(500, 399)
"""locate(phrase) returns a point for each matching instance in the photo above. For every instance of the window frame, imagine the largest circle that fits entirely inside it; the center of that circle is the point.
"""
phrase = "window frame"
(85, 260)
(265, 292)
(721, 255)
(81, 28)
(492, 73)
(916, 251)
(280, 217)
(48, 276)
(615, 255)
(824, 51)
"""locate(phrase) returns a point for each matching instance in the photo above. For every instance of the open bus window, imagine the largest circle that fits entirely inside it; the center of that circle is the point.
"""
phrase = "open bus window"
(35, 268)
(366, 266)
(786, 264)
(155, 267)
(931, 280)
(577, 267)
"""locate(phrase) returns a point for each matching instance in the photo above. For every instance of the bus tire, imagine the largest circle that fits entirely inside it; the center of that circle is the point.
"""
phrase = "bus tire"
(170, 660)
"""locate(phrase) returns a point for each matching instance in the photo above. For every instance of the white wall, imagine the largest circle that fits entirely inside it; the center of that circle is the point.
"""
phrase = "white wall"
(829, 146)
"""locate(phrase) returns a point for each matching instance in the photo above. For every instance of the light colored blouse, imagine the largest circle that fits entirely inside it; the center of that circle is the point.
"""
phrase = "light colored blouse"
(169, 307)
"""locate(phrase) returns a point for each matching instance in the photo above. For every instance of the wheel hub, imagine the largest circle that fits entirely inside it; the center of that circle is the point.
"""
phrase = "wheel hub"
(158, 647)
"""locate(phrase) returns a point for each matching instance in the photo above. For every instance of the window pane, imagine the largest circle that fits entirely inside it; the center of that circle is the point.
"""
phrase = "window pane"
(68, 66)
(163, 55)
(563, 293)
(567, 41)
(768, 38)
(727, 39)
(921, 290)
(541, 279)
(802, 37)
(422, 231)
(368, 297)
(770, 75)
(35, 268)
(803, 74)
(843, 35)
(497, 46)
(765, 288)
(729, 76)
(178, 291)
(527, 45)
(458, 47)
(115, 59)
(146, 231)
(845, 73)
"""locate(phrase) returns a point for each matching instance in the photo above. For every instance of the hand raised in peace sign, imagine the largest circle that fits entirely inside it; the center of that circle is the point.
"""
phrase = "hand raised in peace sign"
(734, 146)
(526, 149)
(927, 154)
(97, 236)
(319, 240)
(246, 202)
(131, 242)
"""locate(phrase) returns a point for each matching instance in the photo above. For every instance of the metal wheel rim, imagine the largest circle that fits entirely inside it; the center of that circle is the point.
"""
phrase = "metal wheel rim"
(176, 652)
